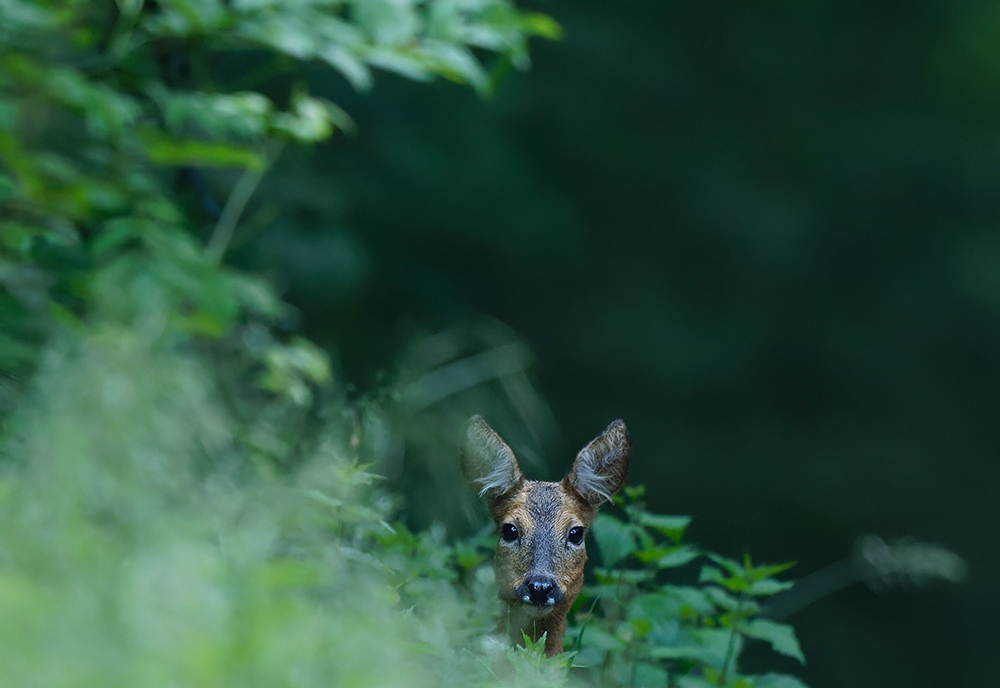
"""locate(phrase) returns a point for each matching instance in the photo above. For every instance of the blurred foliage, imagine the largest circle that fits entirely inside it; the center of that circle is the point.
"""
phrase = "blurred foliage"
(766, 235)
(181, 494)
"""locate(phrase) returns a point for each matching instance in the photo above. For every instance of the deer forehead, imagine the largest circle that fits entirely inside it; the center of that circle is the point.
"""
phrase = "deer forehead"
(543, 505)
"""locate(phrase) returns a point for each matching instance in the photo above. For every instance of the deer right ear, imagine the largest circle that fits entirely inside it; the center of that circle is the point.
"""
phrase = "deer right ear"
(488, 462)
(601, 467)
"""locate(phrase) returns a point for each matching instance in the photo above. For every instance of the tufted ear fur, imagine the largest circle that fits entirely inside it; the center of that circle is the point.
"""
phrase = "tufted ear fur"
(488, 462)
(601, 467)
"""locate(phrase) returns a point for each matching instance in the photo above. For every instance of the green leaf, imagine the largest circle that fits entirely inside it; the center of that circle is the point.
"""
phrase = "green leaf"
(652, 606)
(456, 63)
(647, 675)
(768, 570)
(244, 115)
(7, 189)
(348, 64)
(388, 22)
(708, 646)
(780, 636)
(112, 236)
(202, 153)
(769, 586)
(399, 61)
(671, 526)
(542, 25)
(615, 539)
(312, 119)
(710, 574)
(678, 556)
(691, 681)
(284, 32)
(633, 493)
(776, 681)
(722, 599)
(733, 567)
(256, 295)
(689, 599)
(631, 576)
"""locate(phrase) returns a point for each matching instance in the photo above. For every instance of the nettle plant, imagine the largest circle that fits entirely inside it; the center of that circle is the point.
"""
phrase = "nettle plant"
(635, 626)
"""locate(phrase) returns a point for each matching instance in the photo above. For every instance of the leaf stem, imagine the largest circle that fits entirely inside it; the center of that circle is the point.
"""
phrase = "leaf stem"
(731, 647)
(244, 188)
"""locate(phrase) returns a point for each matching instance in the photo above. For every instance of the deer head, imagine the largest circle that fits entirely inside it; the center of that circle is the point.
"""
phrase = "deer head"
(542, 549)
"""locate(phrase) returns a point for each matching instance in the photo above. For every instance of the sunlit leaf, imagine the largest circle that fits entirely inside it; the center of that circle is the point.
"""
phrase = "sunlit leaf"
(203, 153)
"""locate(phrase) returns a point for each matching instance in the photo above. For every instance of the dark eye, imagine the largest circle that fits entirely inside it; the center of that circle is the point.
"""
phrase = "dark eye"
(575, 536)
(508, 532)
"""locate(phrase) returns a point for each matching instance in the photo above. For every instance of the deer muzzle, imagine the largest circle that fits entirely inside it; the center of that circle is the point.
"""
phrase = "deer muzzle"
(540, 590)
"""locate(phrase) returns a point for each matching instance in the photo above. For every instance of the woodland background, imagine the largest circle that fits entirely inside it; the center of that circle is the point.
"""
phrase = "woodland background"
(766, 235)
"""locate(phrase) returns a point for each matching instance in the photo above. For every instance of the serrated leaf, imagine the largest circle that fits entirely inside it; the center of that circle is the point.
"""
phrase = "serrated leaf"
(769, 586)
(721, 598)
(733, 567)
(678, 556)
(780, 636)
(671, 526)
(710, 574)
(615, 539)
(768, 570)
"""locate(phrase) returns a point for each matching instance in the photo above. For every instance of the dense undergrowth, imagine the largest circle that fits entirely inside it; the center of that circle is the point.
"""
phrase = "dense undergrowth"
(141, 548)
(190, 495)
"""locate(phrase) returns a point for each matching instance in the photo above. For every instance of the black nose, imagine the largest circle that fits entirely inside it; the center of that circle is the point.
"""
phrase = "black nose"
(541, 591)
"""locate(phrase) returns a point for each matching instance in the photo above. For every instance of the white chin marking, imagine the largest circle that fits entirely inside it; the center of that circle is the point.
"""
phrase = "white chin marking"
(526, 598)
(550, 601)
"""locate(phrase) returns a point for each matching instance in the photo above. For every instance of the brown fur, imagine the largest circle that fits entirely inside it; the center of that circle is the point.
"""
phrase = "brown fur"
(543, 514)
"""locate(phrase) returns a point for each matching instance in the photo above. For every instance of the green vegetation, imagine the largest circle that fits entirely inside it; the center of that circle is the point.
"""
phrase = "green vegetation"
(190, 493)
(652, 631)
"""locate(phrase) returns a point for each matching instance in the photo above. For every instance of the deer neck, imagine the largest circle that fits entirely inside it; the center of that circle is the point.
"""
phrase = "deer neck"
(518, 622)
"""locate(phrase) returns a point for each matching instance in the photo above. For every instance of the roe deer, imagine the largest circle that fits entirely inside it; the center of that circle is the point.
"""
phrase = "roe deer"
(540, 555)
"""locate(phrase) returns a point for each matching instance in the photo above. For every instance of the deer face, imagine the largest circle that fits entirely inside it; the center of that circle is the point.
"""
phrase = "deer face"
(541, 551)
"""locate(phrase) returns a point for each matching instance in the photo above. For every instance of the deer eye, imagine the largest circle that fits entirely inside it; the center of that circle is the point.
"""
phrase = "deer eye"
(508, 532)
(575, 536)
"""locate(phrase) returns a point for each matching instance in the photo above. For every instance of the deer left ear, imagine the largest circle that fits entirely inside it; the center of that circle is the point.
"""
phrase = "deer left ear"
(601, 467)
(488, 462)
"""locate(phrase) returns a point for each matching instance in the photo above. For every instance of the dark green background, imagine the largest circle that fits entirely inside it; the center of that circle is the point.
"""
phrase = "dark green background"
(764, 234)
